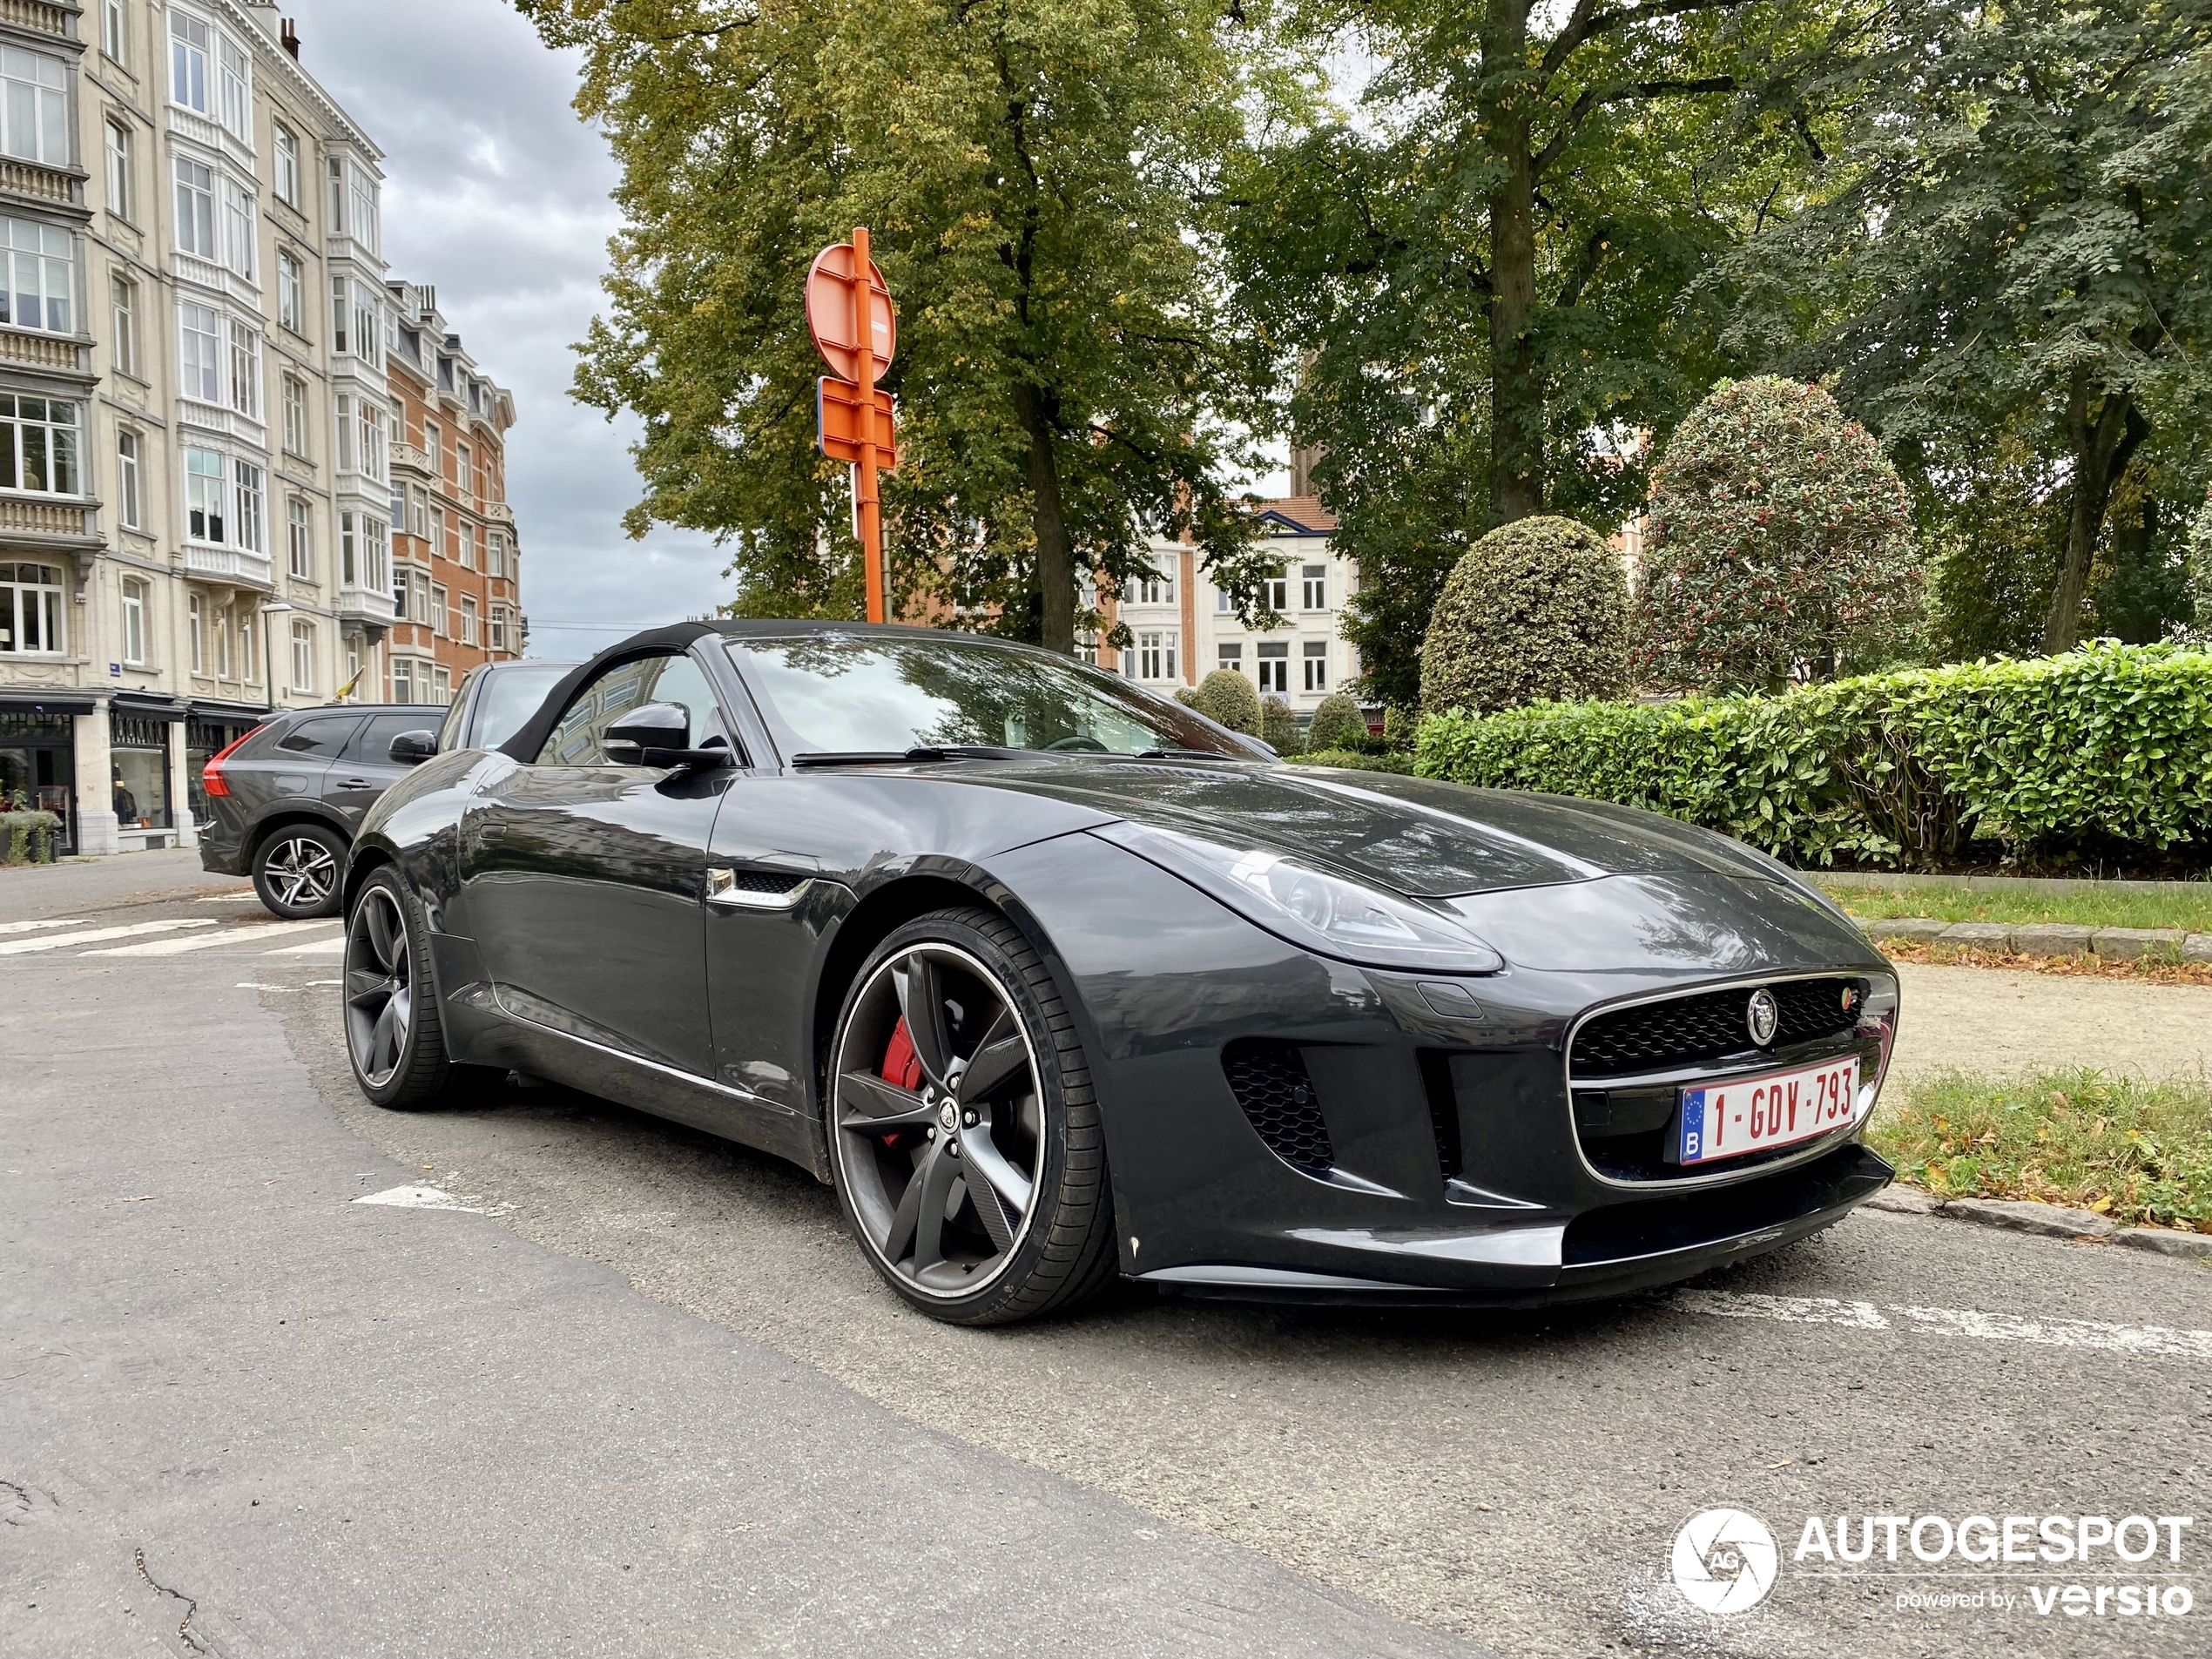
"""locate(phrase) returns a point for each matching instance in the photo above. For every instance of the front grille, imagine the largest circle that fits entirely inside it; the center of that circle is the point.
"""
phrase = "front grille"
(1271, 1083)
(1708, 1025)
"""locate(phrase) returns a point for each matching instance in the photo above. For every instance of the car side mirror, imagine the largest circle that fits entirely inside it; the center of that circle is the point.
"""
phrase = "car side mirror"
(413, 748)
(659, 734)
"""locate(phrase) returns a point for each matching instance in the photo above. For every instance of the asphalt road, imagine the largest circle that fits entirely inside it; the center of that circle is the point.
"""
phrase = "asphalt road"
(639, 1394)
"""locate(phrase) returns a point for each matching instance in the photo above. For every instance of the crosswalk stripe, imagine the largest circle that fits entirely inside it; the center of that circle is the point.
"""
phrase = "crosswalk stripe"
(316, 948)
(33, 927)
(54, 941)
(246, 935)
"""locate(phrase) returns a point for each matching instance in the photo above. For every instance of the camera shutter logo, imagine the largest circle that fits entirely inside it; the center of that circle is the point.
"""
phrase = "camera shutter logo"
(1724, 1561)
(1764, 1014)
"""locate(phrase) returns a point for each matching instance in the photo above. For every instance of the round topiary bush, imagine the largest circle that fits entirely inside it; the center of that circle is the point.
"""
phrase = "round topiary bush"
(1337, 724)
(1187, 696)
(1227, 696)
(1781, 545)
(1279, 726)
(1537, 609)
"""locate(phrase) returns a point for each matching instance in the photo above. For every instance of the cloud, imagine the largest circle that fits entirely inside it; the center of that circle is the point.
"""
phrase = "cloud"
(497, 194)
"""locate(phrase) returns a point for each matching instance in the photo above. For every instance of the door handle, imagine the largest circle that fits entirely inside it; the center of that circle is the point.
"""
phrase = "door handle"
(355, 783)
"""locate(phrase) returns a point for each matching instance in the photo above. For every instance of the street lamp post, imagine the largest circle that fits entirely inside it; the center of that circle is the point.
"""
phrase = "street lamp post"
(268, 651)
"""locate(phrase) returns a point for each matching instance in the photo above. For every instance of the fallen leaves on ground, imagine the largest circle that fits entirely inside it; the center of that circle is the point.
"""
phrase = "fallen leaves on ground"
(2142, 970)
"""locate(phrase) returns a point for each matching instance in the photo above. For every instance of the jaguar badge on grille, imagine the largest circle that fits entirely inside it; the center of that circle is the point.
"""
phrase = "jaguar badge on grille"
(1762, 1017)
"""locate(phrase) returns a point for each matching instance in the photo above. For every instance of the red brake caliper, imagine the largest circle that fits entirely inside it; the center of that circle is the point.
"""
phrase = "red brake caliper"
(901, 1065)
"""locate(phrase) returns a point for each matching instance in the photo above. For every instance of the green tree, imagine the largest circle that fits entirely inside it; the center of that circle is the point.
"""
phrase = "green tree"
(1279, 726)
(1037, 178)
(1337, 724)
(2015, 236)
(1537, 610)
(1781, 543)
(1226, 697)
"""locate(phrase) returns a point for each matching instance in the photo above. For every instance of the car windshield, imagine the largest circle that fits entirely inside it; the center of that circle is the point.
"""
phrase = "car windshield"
(833, 694)
(511, 695)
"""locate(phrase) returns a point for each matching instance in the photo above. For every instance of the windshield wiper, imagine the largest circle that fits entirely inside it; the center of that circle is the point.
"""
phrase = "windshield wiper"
(866, 757)
(1181, 754)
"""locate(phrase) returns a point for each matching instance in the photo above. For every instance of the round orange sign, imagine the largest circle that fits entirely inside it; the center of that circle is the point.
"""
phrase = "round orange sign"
(833, 316)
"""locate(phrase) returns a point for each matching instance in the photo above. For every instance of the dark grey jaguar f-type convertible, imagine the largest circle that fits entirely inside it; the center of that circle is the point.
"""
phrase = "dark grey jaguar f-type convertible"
(1055, 981)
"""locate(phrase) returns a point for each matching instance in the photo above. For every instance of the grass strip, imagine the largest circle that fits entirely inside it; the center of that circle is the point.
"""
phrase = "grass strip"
(2140, 1152)
(2103, 907)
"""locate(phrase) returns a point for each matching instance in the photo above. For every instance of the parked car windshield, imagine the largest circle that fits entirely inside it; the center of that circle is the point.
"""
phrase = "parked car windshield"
(855, 694)
(511, 694)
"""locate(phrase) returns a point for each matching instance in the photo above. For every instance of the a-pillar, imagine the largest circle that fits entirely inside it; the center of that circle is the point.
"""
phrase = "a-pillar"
(95, 784)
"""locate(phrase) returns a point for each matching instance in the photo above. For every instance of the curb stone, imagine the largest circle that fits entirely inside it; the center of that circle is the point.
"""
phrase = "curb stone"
(2051, 939)
(2044, 1220)
(2044, 938)
(2048, 1220)
(1917, 929)
(2164, 1241)
(2126, 944)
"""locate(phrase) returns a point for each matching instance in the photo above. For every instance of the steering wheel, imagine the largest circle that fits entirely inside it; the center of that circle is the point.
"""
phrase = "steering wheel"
(1084, 745)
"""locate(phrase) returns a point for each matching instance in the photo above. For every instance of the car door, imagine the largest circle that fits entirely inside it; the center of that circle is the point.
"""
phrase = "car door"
(365, 769)
(585, 880)
(277, 774)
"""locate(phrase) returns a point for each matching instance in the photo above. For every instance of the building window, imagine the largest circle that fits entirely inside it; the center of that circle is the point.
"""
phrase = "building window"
(246, 371)
(460, 468)
(188, 61)
(287, 165)
(1314, 590)
(438, 612)
(238, 228)
(123, 305)
(251, 495)
(468, 545)
(1229, 655)
(126, 479)
(112, 33)
(205, 517)
(338, 337)
(468, 619)
(292, 293)
(200, 335)
(1317, 664)
(237, 89)
(1155, 657)
(119, 191)
(418, 511)
(343, 404)
(38, 445)
(247, 633)
(372, 436)
(377, 551)
(196, 631)
(134, 622)
(440, 684)
(40, 272)
(402, 680)
(496, 553)
(195, 209)
(437, 532)
(37, 98)
(349, 569)
(222, 645)
(353, 662)
(419, 611)
(295, 415)
(296, 538)
(1275, 665)
(497, 631)
(303, 654)
(1276, 590)
(1151, 590)
(360, 203)
(432, 438)
(367, 328)
(31, 608)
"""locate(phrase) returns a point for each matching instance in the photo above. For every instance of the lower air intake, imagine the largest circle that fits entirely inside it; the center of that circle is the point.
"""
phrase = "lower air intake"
(1269, 1081)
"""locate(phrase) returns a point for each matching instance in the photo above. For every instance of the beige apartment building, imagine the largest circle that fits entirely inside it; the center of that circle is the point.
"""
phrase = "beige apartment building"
(198, 352)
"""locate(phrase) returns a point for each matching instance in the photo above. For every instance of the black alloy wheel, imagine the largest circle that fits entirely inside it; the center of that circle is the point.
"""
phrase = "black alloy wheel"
(394, 1038)
(963, 1128)
(296, 871)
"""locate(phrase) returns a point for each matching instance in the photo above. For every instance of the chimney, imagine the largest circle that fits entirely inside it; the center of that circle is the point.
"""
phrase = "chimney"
(290, 38)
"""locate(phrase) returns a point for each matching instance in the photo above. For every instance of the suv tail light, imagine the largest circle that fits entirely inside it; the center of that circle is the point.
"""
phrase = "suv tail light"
(211, 775)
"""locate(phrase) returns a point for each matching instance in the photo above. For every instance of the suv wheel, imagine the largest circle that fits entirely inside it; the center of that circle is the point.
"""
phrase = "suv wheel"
(296, 870)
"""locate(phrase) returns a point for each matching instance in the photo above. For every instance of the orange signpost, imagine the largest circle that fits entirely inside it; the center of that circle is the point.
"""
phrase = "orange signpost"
(849, 313)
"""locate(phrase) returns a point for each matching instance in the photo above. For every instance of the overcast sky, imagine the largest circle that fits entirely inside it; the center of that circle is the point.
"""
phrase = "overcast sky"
(497, 194)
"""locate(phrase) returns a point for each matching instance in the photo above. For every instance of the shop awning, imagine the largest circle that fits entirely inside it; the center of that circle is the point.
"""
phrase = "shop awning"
(207, 708)
(145, 705)
(28, 700)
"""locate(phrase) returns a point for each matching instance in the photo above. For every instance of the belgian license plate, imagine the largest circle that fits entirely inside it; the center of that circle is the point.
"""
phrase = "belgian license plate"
(1727, 1120)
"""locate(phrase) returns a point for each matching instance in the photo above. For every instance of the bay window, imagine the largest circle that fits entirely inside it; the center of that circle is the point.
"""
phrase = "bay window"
(237, 89)
(196, 230)
(496, 553)
(246, 371)
(343, 404)
(31, 609)
(376, 543)
(348, 557)
(372, 439)
(249, 495)
(40, 276)
(188, 61)
(205, 519)
(38, 445)
(35, 90)
(200, 335)
(238, 228)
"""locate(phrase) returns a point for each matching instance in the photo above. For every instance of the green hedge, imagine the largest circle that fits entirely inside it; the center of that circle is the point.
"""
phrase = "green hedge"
(2105, 748)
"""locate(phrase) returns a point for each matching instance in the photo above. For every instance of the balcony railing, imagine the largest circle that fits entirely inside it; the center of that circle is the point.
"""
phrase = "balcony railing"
(214, 417)
(231, 564)
(364, 604)
(38, 351)
(28, 178)
(41, 518)
(499, 513)
(409, 458)
(36, 13)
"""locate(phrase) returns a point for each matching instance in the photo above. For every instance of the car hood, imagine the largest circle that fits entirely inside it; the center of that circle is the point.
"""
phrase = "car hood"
(1414, 834)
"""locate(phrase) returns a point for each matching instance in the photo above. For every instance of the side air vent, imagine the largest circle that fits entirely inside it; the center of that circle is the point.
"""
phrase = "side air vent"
(1443, 1109)
(764, 882)
(1269, 1081)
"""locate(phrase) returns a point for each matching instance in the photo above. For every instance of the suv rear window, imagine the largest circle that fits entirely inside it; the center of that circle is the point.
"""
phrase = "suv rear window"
(373, 745)
(324, 735)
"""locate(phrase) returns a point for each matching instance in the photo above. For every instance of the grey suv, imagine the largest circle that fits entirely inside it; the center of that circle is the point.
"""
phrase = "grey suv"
(287, 798)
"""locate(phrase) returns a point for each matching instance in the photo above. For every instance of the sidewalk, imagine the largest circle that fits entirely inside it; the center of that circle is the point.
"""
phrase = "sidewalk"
(1997, 1020)
(30, 890)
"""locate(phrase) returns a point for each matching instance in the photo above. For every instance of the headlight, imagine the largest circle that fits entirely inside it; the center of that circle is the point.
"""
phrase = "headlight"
(1310, 907)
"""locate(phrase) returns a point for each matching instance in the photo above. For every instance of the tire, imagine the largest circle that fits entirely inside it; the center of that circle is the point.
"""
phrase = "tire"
(298, 870)
(395, 1041)
(1012, 1125)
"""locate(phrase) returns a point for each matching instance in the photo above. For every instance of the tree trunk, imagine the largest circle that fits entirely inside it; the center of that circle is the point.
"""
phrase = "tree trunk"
(1055, 569)
(1516, 383)
(2101, 441)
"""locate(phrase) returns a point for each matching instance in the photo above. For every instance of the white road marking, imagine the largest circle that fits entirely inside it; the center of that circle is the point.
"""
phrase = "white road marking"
(54, 941)
(253, 932)
(2041, 1332)
(416, 1197)
(226, 898)
(318, 947)
(33, 927)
